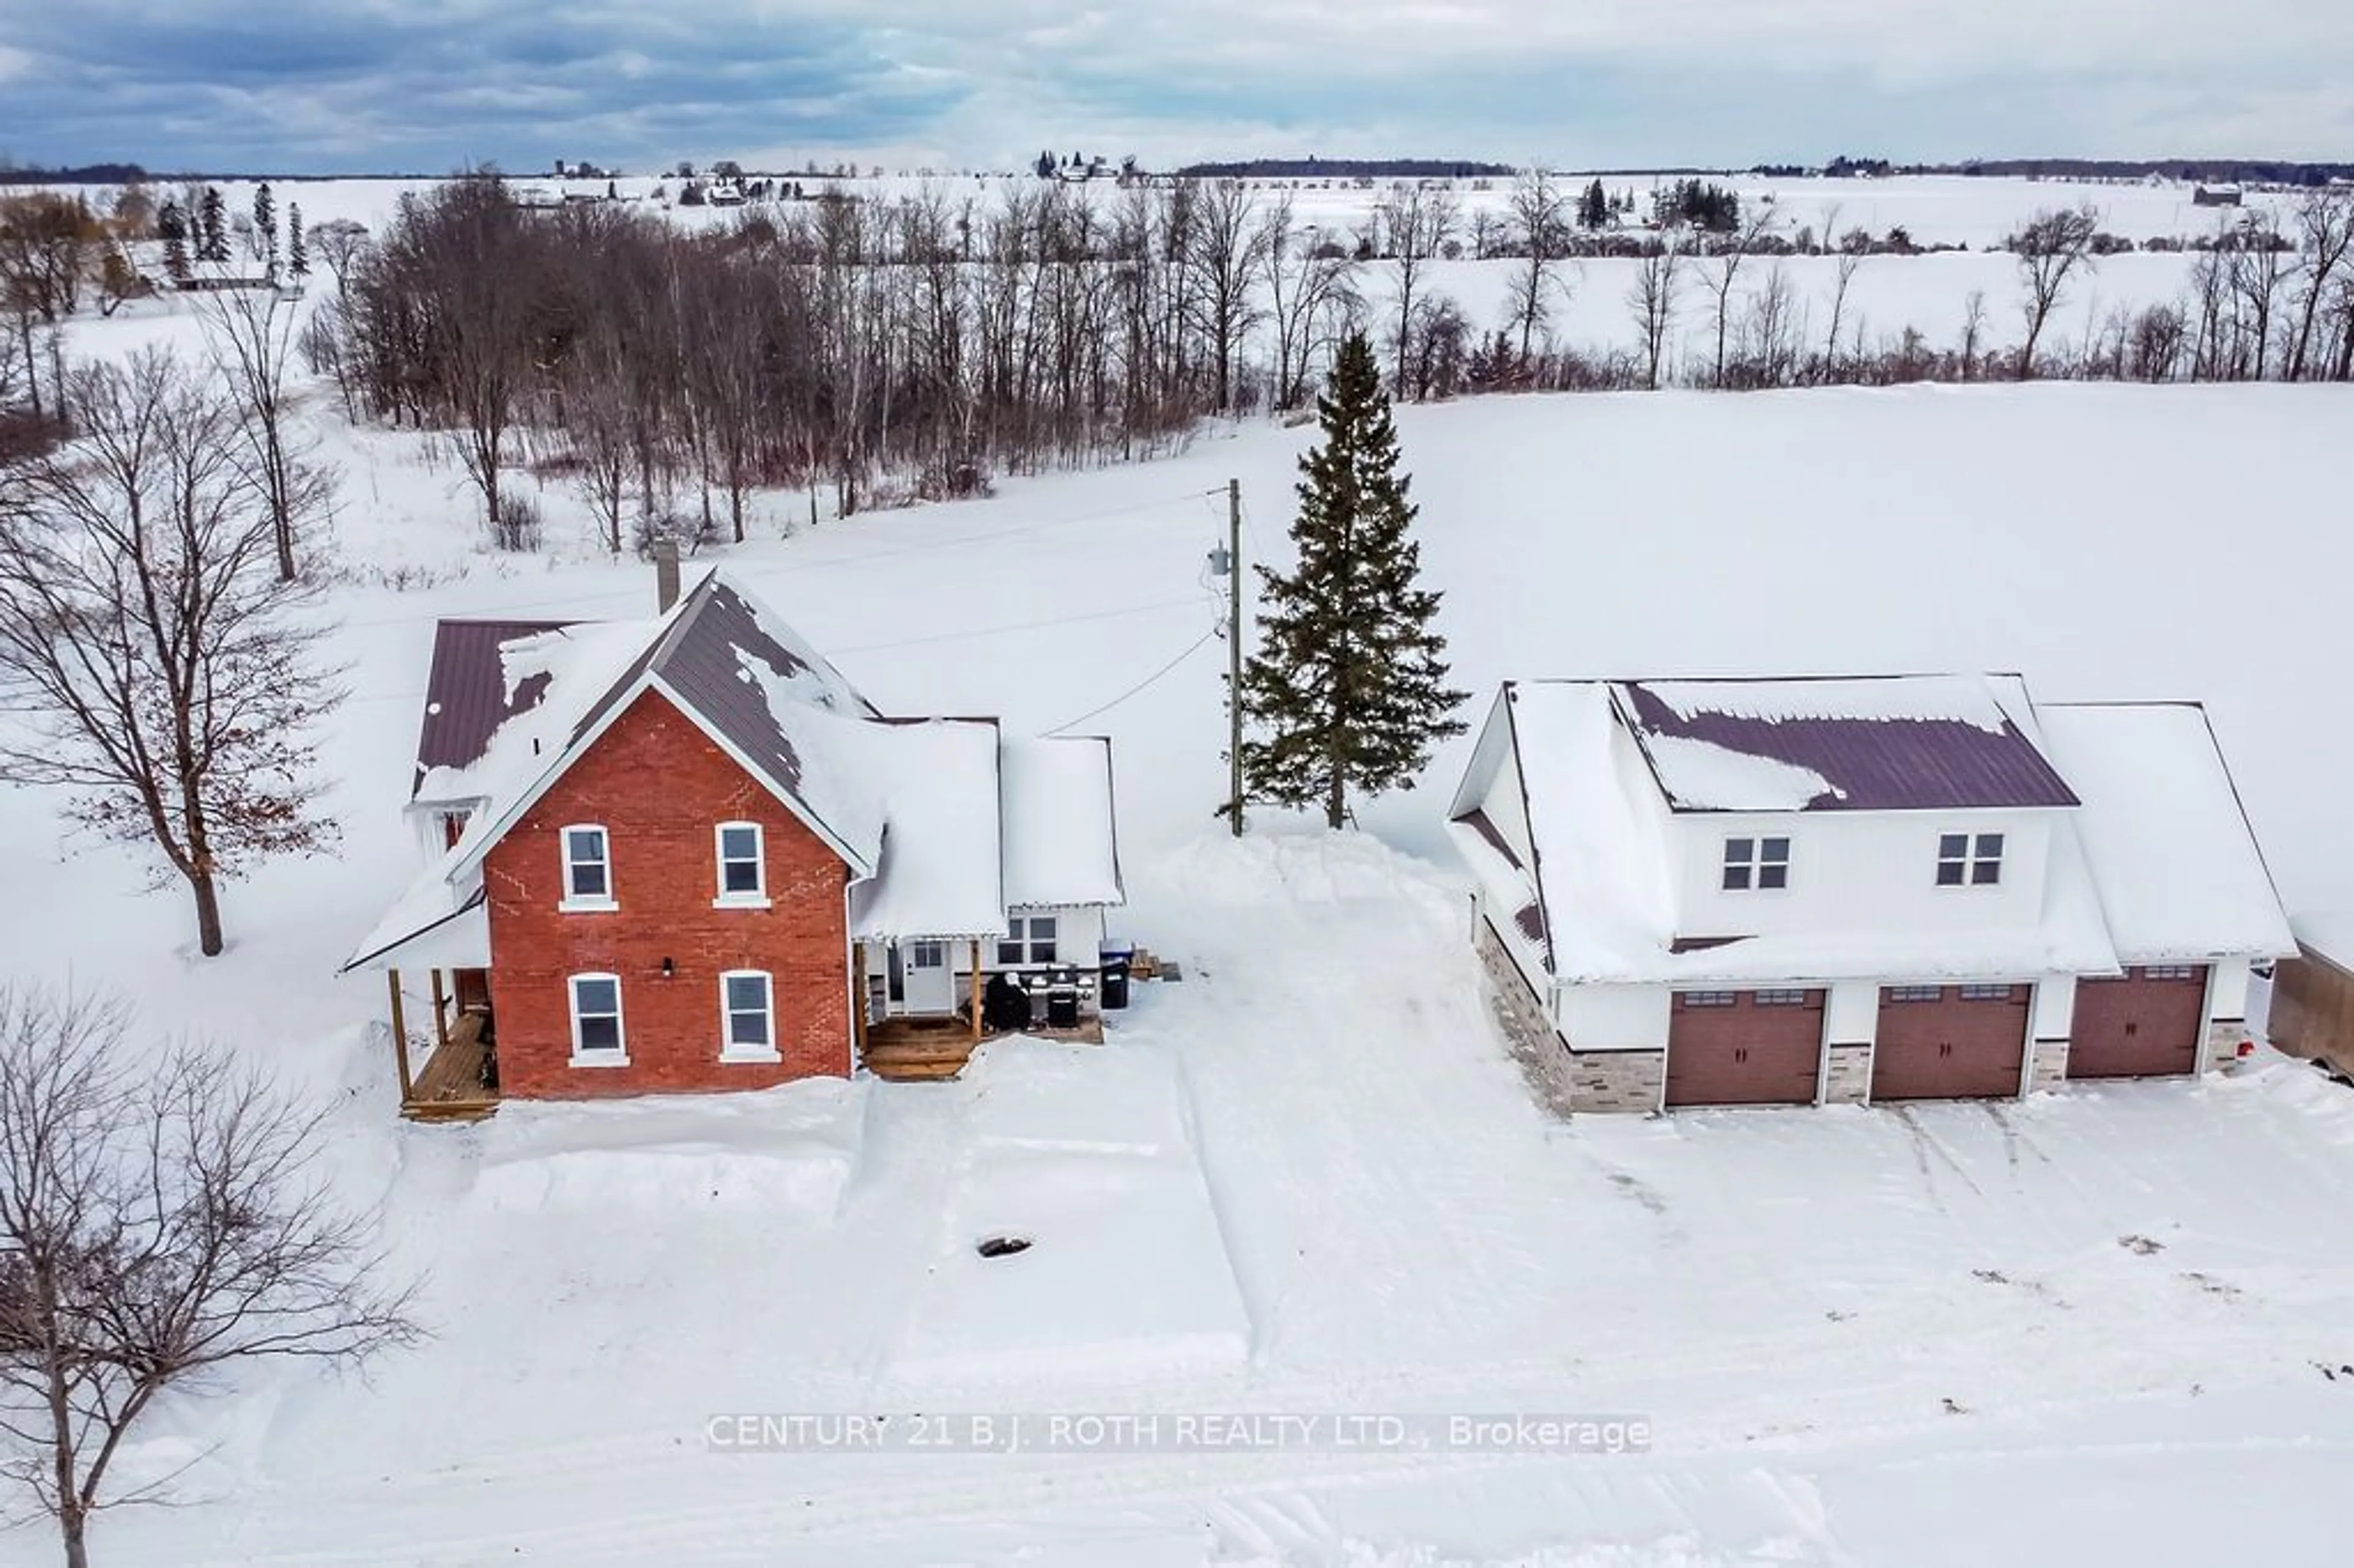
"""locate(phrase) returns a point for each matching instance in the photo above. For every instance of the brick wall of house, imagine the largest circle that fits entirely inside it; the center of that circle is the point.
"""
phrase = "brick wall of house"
(659, 787)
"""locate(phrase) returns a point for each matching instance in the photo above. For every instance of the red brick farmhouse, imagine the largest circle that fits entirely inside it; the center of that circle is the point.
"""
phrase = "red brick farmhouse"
(685, 855)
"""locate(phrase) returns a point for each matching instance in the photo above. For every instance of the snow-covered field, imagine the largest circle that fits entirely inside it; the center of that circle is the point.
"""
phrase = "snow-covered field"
(2103, 1326)
(1588, 301)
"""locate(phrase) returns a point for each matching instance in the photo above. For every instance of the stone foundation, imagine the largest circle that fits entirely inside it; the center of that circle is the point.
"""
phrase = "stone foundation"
(2047, 1066)
(2223, 1037)
(1847, 1075)
(1531, 1038)
(1617, 1081)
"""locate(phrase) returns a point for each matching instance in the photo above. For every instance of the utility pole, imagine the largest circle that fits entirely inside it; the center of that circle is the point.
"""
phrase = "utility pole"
(1235, 653)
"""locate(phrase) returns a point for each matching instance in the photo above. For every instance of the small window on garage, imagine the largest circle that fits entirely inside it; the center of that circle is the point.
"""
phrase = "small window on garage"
(1709, 998)
(1915, 992)
(1780, 998)
(1986, 993)
(1969, 860)
(1757, 863)
(2170, 972)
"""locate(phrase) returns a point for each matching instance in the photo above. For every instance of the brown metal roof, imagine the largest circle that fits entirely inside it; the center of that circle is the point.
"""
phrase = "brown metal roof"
(701, 659)
(1873, 763)
(466, 693)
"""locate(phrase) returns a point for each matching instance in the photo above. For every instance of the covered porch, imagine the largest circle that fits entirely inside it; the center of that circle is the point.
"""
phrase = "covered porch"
(435, 952)
(458, 1078)
(928, 1003)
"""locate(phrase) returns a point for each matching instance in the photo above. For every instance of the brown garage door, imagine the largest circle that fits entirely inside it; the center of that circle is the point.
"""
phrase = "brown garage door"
(1949, 1043)
(1744, 1047)
(2145, 1025)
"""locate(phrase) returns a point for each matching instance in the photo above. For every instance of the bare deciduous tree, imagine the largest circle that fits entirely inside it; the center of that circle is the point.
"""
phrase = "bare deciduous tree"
(1652, 301)
(1720, 278)
(1228, 253)
(1842, 278)
(1974, 320)
(161, 1221)
(154, 661)
(1416, 222)
(2325, 221)
(2052, 247)
(1538, 207)
(253, 333)
(1311, 296)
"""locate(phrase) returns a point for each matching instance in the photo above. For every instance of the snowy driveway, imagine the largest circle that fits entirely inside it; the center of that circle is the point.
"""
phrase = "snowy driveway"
(1309, 1181)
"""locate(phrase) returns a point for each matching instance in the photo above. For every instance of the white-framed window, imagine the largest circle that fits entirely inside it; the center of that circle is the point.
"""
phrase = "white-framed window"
(1028, 940)
(597, 1040)
(1969, 860)
(1778, 997)
(2170, 972)
(927, 954)
(1916, 994)
(1757, 863)
(748, 1016)
(1986, 993)
(588, 868)
(1709, 998)
(743, 865)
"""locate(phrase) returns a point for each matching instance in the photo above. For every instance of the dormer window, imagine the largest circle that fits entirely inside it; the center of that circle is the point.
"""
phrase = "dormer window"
(1757, 863)
(588, 869)
(1969, 860)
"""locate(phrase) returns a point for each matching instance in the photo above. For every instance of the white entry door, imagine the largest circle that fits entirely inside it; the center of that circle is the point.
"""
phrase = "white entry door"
(930, 984)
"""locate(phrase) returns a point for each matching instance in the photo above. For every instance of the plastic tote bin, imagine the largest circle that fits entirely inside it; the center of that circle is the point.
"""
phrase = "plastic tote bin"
(1116, 958)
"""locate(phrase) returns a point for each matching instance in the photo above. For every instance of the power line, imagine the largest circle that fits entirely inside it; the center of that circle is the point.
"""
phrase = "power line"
(1191, 649)
(1113, 614)
(802, 568)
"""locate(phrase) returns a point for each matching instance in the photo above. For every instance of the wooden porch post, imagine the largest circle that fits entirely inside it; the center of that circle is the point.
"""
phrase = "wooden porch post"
(399, 1035)
(441, 1011)
(858, 1000)
(976, 988)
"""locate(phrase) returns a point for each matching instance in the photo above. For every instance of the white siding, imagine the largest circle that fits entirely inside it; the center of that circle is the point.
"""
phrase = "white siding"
(2055, 1007)
(1852, 1013)
(1615, 1017)
(2227, 991)
(1852, 871)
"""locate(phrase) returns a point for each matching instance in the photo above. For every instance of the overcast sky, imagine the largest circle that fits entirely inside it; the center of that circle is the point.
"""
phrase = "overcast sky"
(426, 85)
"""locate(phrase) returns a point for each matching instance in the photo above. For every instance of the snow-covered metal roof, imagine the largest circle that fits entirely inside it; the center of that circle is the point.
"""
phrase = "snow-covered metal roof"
(2179, 875)
(2151, 859)
(1837, 744)
(943, 825)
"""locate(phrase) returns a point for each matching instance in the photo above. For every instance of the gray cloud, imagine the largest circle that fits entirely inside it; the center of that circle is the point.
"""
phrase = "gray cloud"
(425, 85)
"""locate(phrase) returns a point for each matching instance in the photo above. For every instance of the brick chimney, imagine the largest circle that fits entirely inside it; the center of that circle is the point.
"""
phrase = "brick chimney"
(666, 575)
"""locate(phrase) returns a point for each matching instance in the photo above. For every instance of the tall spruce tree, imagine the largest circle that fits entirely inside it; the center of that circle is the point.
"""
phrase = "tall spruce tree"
(172, 225)
(212, 227)
(265, 229)
(1348, 689)
(298, 254)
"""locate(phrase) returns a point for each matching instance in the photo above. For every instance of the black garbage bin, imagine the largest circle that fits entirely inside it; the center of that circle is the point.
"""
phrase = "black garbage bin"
(1116, 958)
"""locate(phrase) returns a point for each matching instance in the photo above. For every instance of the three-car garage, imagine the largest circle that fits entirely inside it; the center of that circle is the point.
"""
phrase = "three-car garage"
(1765, 1047)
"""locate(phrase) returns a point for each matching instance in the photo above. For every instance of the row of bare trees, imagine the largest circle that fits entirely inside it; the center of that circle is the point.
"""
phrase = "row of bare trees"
(835, 341)
(928, 340)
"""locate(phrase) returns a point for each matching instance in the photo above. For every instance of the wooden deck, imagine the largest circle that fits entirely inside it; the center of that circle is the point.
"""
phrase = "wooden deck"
(932, 1049)
(449, 1087)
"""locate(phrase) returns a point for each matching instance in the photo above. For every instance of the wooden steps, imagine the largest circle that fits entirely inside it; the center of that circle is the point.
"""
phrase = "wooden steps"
(919, 1061)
